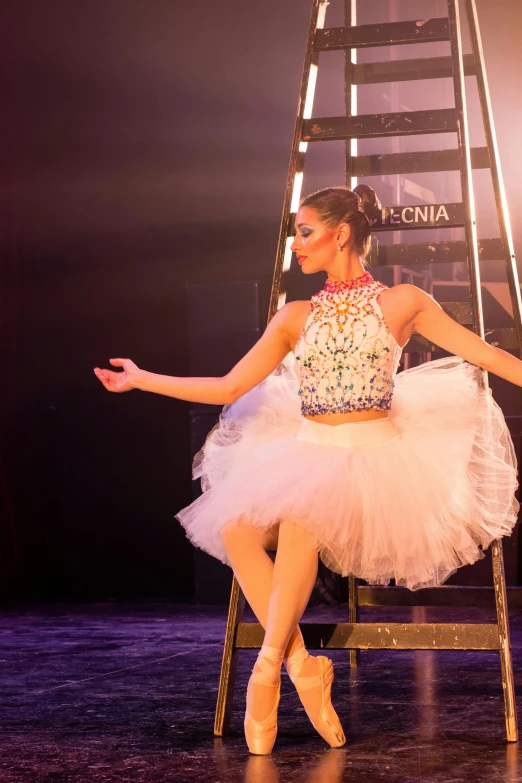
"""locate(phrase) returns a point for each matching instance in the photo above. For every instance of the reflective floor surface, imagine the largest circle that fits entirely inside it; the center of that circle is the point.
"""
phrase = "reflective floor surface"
(126, 692)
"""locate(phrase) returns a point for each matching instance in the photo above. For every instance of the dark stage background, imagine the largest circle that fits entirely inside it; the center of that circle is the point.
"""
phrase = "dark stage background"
(145, 148)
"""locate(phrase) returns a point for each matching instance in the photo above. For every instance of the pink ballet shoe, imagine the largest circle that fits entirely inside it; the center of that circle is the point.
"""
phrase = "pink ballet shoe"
(261, 734)
(327, 723)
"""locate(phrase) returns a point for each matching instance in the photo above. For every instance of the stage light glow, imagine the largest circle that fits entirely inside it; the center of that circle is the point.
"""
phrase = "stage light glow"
(296, 193)
(287, 259)
(353, 59)
(310, 92)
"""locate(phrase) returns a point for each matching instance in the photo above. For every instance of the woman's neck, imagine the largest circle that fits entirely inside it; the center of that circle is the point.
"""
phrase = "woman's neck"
(346, 269)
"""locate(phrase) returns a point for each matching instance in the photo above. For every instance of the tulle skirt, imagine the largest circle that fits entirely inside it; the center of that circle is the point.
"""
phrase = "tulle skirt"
(412, 496)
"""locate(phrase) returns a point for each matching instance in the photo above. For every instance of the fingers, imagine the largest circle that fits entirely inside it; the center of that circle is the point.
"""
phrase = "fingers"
(101, 377)
(109, 374)
(105, 374)
(108, 378)
(114, 381)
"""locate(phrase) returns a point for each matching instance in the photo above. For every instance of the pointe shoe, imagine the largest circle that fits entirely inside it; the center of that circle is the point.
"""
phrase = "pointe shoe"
(261, 734)
(327, 724)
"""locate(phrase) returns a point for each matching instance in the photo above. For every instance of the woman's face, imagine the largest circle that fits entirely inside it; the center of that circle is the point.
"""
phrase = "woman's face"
(314, 243)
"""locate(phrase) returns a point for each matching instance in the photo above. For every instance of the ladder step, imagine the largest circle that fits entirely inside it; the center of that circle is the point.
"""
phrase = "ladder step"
(504, 337)
(416, 162)
(384, 636)
(385, 34)
(434, 252)
(409, 70)
(459, 311)
(372, 126)
(443, 595)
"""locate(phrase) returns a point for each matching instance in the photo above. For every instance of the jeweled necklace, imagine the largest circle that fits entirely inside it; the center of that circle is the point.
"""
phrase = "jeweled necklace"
(332, 286)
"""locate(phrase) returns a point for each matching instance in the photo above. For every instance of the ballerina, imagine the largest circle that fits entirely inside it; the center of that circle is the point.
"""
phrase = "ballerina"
(324, 450)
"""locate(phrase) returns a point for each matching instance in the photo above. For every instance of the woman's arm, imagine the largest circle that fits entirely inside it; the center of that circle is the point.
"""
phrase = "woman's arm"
(257, 364)
(433, 323)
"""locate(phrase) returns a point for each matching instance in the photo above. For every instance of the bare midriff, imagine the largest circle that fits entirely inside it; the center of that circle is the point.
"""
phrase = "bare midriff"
(344, 418)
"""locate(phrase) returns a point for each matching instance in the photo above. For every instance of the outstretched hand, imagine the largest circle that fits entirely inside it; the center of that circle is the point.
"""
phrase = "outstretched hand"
(118, 381)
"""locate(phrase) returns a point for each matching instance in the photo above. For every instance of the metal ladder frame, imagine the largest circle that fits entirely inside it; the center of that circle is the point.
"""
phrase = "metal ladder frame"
(353, 635)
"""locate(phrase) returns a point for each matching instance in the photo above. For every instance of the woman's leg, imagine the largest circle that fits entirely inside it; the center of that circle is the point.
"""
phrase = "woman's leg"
(294, 576)
(247, 547)
(278, 594)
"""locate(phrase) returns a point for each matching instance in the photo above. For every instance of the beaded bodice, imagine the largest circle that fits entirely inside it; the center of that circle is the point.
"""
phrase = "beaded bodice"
(346, 357)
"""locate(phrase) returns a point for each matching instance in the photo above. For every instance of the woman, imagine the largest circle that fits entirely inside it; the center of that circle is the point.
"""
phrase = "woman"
(321, 449)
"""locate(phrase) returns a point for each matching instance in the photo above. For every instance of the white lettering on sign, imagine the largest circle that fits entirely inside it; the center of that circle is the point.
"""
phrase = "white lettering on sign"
(442, 213)
(424, 214)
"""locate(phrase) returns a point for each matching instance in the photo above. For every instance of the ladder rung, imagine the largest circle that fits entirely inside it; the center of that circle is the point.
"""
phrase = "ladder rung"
(384, 636)
(416, 162)
(386, 34)
(504, 337)
(435, 252)
(371, 126)
(409, 70)
(459, 311)
(443, 595)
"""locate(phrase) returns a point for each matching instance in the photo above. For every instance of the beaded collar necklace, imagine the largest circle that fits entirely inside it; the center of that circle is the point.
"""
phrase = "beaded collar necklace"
(333, 286)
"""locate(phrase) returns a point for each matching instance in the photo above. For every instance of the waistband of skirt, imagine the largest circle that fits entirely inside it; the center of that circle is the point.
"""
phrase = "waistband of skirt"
(373, 432)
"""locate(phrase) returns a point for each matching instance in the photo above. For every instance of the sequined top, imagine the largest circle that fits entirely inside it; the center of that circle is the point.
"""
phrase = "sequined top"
(346, 357)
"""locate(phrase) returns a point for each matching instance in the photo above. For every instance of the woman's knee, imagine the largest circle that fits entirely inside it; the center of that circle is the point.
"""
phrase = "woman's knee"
(236, 530)
(228, 532)
(239, 532)
(293, 532)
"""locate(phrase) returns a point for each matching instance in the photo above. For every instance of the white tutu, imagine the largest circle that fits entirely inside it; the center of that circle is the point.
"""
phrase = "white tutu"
(412, 496)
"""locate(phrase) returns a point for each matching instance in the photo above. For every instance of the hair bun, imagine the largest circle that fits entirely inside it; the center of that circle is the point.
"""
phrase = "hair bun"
(359, 207)
(370, 201)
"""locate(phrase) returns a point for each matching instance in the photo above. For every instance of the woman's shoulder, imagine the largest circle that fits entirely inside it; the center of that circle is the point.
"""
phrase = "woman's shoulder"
(297, 306)
(294, 312)
(293, 317)
(401, 294)
(399, 306)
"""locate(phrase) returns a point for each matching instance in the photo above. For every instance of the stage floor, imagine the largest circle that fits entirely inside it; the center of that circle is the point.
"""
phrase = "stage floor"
(126, 692)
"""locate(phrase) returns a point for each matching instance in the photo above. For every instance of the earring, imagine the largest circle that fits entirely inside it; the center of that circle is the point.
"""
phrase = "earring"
(339, 246)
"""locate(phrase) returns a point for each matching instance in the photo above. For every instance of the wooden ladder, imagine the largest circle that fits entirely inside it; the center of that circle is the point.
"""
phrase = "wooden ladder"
(353, 635)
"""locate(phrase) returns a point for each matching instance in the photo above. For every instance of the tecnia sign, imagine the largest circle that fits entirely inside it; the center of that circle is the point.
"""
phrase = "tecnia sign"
(426, 215)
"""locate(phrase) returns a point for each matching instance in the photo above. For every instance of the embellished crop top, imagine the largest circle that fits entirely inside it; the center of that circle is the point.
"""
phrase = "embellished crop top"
(346, 358)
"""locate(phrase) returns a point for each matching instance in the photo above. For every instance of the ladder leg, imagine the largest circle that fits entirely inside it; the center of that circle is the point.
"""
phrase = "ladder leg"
(466, 177)
(499, 584)
(496, 171)
(229, 663)
(353, 616)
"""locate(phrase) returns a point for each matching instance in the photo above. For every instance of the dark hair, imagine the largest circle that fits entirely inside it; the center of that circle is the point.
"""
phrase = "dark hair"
(339, 204)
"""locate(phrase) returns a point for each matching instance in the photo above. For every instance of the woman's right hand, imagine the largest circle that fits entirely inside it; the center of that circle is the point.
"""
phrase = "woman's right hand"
(118, 381)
